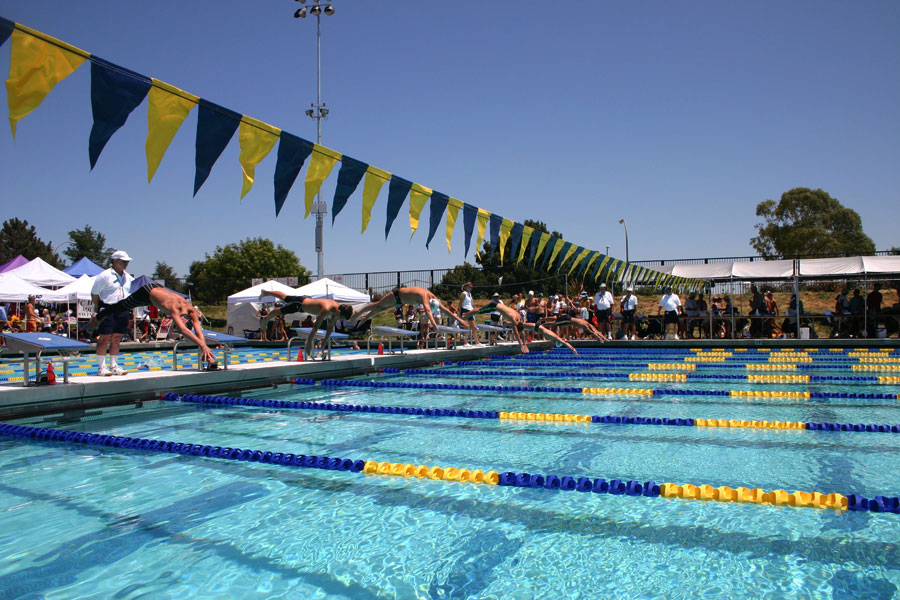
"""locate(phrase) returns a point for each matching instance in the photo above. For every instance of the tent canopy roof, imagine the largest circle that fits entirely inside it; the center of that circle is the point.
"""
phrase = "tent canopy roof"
(13, 264)
(39, 272)
(83, 266)
(810, 268)
(15, 289)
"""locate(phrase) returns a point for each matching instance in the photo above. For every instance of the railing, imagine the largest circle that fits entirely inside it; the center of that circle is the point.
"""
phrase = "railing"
(725, 259)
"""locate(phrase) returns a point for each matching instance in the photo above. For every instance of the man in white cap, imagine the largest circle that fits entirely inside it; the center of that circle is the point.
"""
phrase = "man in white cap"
(629, 306)
(603, 302)
(111, 286)
(671, 304)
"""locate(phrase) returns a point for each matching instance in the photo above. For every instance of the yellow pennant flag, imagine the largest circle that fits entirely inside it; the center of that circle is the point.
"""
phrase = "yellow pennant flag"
(257, 140)
(603, 262)
(556, 248)
(453, 206)
(505, 229)
(581, 256)
(545, 237)
(483, 218)
(322, 161)
(587, 267)
(375, 180)
(569, 254)
(167, 108)
(418, 195)
(523, 244)
(37, 63)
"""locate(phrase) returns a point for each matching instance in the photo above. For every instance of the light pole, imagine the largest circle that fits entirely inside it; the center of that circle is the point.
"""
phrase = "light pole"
(60, 245)
(318, 112)
(622, 222)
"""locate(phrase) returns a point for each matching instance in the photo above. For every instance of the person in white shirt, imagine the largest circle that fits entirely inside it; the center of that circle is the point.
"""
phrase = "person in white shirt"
(603, 302)
(629, 307)
(466, 306)
(671, 303)
(111, 286)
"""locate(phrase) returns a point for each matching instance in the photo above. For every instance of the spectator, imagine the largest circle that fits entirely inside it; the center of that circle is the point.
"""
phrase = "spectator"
(263, 316)
(757, 310)
(691, 312)
(857, 305)
(671, 304)
(31, 316)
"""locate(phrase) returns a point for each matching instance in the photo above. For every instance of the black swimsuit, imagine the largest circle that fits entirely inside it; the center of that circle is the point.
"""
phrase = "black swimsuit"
(293, 304)
(396, 292)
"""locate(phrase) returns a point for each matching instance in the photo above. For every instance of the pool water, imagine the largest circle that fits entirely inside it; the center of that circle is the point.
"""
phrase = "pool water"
(93, 522)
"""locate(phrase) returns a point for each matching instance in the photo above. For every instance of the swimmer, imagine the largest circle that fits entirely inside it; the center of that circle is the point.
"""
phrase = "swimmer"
(510, 315)
(404, 295)
(326, 312)
(581, 324)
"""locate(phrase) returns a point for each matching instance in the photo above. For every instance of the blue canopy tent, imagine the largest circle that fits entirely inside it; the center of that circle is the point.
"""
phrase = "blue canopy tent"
(143, 280)
(83, 266)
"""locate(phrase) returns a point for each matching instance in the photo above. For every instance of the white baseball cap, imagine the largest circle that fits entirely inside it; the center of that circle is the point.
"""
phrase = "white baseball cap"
(121, 255)
(531, 292)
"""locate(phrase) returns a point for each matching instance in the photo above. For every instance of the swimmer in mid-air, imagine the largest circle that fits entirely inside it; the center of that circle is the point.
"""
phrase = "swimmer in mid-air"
(404, 295)
(519, 327)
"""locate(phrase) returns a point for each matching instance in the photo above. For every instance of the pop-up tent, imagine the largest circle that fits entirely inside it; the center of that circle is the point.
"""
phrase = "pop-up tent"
(243, 306)
(38, 272)
(83, 266)
(13, 264)
(326, 288)
(16, 289)
(80, 289)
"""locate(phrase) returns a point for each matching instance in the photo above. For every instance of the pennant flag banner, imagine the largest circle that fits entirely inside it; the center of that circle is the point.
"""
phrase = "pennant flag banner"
(397, 192)
(215, 127)
(38, 62)
(292, 153)
(257, 139)
(482, 221)
(435, 212)
(453, 206)
(167, 108)
(494, 222)
(320, 166)
(418, 196)
(375, 180)
(348, 180)
(115, 92)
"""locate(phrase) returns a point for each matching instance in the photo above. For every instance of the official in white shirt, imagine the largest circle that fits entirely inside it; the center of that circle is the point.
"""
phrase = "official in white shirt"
(603, 302)
(671, 303)
(111, 286)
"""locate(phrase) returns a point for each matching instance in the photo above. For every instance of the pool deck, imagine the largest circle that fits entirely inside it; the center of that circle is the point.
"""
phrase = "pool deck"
(88, 393)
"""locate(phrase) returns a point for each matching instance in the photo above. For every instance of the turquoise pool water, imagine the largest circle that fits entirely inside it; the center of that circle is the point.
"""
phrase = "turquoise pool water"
(83, 521)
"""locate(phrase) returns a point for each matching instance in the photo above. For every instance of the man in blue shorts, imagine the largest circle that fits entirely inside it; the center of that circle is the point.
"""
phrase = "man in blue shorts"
(111, 286)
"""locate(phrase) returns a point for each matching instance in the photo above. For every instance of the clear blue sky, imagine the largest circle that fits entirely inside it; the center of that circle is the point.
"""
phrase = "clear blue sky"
(678, 117)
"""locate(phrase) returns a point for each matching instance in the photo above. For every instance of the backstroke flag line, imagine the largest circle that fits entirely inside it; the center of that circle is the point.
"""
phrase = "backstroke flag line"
(38, 62)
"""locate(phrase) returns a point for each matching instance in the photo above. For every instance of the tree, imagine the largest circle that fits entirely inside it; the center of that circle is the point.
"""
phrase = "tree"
(165, 273)
(17, 237)
(88, 243)
(808, 221)
(231, 267)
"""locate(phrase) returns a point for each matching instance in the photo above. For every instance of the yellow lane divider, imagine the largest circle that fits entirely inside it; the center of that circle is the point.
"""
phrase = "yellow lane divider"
(778, 378)
(617, 391)
(657, 377)
(749, 424)
(769, 394)
(754, 496)
(875, 367)
(522, 416)
(770, 367)
(426, 472)
(672, 366)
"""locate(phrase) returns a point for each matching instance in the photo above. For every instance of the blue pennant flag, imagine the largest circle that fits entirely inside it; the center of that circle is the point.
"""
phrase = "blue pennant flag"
(515, 237)
(535, 241)
(438, 205)
(398, 189)
(6, 29)
(561, 257)
(548, 250)
(215, 127)
(349, 176)
(494, 222)
(292, 153)
(115, 92)
(469, 214)
(597, 264)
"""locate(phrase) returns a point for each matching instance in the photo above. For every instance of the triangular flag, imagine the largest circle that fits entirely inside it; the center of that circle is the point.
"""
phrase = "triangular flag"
(567, 253)
(115, 92)
(538, 250)
(527, 241)
(349, 176)
(494, 223)
(418, 196)
(375, 180)
(482, 222)
(292, 153)
(435, 212)
(37, 63)
(453, 206)
(578, 258)
(397, 192)
(506, 226)
(469, 214)
(515, 240)
(587, 265)
(257, 140)
(320, 166)
(6, 29)
(551, 244)
(556, 248)
(215, 127)
(167, 108)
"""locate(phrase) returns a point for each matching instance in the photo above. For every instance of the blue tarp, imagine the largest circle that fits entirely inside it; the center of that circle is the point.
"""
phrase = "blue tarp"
(83, 266)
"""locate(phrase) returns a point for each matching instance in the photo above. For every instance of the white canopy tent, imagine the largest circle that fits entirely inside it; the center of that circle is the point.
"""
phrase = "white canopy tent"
(80, 289)
(15, 289)
(810, 268)
(243, 306)
(38, 272)
(327, 288)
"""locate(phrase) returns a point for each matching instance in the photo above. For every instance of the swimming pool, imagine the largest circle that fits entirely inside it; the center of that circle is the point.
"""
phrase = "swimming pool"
(88, 520)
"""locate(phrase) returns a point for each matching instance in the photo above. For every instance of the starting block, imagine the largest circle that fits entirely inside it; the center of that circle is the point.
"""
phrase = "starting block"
(389, 334)
(36, 343)
(210, 337)
(303, 334)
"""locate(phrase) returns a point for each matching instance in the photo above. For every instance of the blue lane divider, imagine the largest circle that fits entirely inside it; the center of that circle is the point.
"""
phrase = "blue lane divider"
(599, 485)
(623, 364)
(227, 453)
(569, 390)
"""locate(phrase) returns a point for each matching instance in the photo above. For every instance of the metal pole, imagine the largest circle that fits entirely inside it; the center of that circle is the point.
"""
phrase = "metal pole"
(320, 218)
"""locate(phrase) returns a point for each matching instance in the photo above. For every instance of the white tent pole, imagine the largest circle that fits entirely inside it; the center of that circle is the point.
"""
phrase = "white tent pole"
(797, 293)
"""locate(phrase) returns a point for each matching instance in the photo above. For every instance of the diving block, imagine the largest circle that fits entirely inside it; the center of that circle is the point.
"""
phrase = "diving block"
(492, 329)
(35, 343)
(389, 334)
(303, 334)
(211, 337)
(446, 332)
